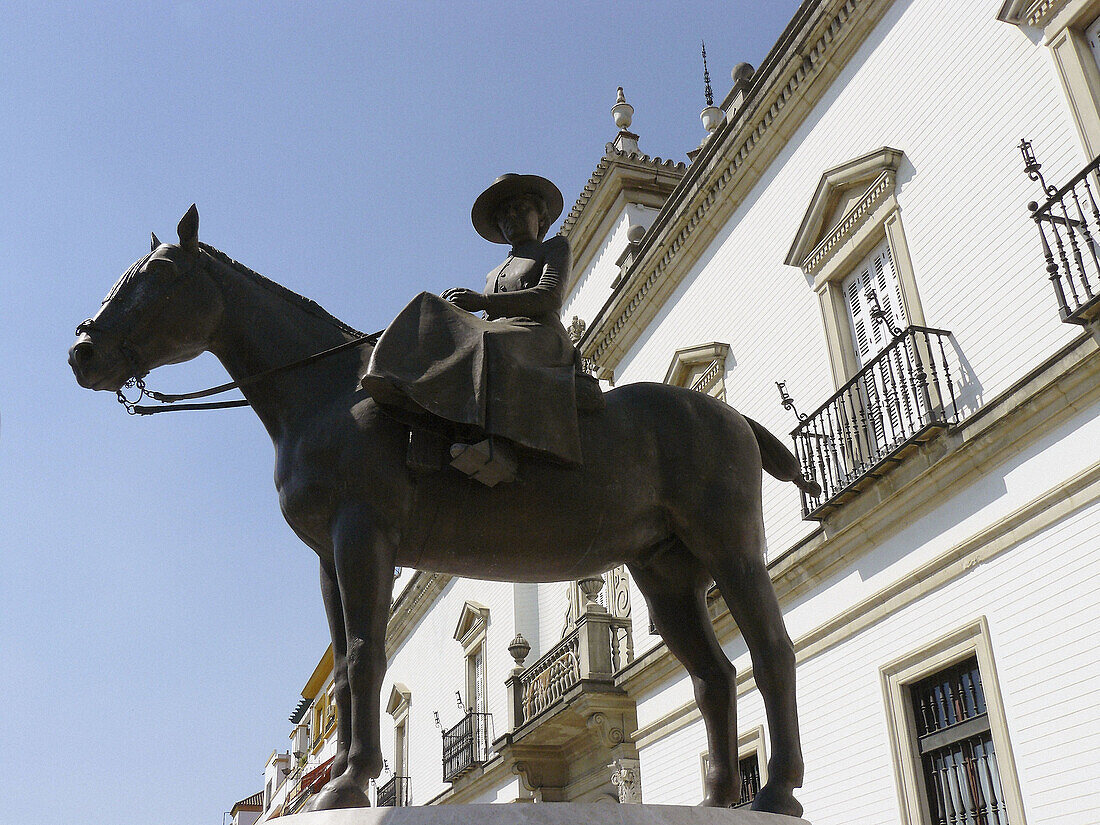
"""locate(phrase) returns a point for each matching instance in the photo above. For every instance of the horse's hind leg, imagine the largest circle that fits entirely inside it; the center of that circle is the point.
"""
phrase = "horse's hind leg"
(736, 563)
(675, 585)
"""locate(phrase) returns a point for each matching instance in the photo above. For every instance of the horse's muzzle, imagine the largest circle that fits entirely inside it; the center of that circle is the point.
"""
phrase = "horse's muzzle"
(94, 369)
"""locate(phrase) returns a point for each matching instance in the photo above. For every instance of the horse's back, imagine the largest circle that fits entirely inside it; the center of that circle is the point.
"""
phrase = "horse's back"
(680, 438)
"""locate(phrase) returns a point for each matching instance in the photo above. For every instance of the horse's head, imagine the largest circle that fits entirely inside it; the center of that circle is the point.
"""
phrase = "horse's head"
(163, 310)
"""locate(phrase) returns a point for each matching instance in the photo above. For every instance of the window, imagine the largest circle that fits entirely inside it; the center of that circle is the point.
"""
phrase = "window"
(872, 284)
(396, 790)
(476, 699)
(961, 780)
(470, 633)
(1070, 29)
(750, 763)
(948, 733)
(851, 243)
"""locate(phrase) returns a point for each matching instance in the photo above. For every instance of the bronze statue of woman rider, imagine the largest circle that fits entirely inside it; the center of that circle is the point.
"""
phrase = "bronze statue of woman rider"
(505, 379)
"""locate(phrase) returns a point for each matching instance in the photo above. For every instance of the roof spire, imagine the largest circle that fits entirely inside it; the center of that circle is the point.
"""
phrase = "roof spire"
(711, 116)
(706, 77)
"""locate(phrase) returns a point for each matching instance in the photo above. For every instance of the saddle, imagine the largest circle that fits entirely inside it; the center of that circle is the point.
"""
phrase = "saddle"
(434, 443)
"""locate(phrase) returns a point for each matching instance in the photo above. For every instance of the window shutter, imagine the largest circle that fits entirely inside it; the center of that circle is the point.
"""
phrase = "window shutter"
(875, 272)
(479, 681)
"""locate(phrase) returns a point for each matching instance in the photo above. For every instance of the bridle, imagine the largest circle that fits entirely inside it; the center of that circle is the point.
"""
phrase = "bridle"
(138, 373)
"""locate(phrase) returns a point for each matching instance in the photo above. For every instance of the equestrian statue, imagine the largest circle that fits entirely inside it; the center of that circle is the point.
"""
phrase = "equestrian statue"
(475, 446)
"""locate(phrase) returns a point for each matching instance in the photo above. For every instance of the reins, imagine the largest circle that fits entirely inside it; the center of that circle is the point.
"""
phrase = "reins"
(137, 379)
(167, 399)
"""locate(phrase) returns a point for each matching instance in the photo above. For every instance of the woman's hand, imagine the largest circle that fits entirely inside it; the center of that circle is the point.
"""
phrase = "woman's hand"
(465, 299)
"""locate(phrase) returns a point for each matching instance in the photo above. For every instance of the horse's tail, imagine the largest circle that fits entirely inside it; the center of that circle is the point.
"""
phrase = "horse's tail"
(780, 462)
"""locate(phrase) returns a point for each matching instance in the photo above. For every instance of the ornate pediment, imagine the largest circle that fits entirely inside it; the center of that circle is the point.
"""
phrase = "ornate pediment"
(701, 367)
(844, 193)
(1036, 13)
(400, 697)
(471, 621)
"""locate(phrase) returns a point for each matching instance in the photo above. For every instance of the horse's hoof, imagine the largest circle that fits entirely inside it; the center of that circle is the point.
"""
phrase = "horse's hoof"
(715, 801)
(774, 800)
(720, 788)
(337, 794)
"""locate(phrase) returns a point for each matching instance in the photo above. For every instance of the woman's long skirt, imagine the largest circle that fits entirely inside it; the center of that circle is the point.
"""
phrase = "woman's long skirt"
(512, 377)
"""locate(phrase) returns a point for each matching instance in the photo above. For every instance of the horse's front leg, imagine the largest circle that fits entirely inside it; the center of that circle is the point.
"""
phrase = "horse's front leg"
(334, 611)
(364, 576)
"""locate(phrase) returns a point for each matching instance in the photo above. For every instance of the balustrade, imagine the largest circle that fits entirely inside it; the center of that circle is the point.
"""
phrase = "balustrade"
(599, 646)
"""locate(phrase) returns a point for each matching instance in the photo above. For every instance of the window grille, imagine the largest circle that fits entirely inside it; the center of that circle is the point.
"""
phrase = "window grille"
(961, 777)
(750, 779)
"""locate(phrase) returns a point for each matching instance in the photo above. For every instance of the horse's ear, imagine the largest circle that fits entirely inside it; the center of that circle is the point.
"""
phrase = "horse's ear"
(154, 242)
(188, 230)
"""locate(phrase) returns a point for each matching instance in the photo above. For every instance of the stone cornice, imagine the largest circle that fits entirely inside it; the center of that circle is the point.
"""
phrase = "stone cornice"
(410, 607)
(637, 176)
(797, 73)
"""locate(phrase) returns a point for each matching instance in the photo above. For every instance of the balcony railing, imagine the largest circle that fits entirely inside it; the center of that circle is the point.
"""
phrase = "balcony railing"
(466, 745)
(306, 780)
(393, 794)
(595, 650)
(902, 396)
(1069, 230)
(548, 679)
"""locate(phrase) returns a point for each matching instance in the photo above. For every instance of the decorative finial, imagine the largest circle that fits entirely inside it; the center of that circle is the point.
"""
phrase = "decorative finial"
(706, 77)
(622, 111)
(519, 648)
(711, 116)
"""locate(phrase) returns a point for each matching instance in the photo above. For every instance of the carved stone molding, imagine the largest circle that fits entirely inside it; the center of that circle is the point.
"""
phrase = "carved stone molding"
(610, 732)
(701, 368)
(625, 776)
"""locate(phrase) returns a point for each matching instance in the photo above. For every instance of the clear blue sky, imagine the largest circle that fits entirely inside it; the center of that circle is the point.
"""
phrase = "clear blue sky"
(157, 616)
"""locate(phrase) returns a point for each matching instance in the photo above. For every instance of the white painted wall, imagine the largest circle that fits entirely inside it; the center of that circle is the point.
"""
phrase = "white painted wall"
(553, 608)
(1040, 601)
(593, 286)
(955, 90)
(432, 664)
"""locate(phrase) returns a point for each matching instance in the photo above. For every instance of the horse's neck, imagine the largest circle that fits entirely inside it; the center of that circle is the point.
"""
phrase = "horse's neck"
(263, 329)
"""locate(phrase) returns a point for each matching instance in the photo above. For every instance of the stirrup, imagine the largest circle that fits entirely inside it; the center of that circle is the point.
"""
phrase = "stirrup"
(490, 461)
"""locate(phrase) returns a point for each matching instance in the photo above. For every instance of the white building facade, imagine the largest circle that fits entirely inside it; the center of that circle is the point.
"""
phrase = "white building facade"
(856, 228)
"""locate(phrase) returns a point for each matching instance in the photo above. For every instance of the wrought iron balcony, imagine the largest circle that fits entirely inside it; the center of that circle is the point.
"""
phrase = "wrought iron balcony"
(902, 397)
(466, 745)
(1069, 231)
(394, 794)
(307, 779)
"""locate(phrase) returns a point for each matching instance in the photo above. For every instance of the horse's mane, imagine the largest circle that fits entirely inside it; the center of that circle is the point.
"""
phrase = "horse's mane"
(289, 295)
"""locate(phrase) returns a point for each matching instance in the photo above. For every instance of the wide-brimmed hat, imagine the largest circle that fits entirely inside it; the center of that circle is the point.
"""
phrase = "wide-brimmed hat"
(507, 186)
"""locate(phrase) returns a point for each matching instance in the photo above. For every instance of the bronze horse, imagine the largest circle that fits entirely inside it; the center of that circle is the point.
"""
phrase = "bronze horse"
(670, 487)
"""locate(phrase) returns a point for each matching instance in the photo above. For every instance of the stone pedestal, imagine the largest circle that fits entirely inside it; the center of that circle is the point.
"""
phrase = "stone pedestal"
(550, 813)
